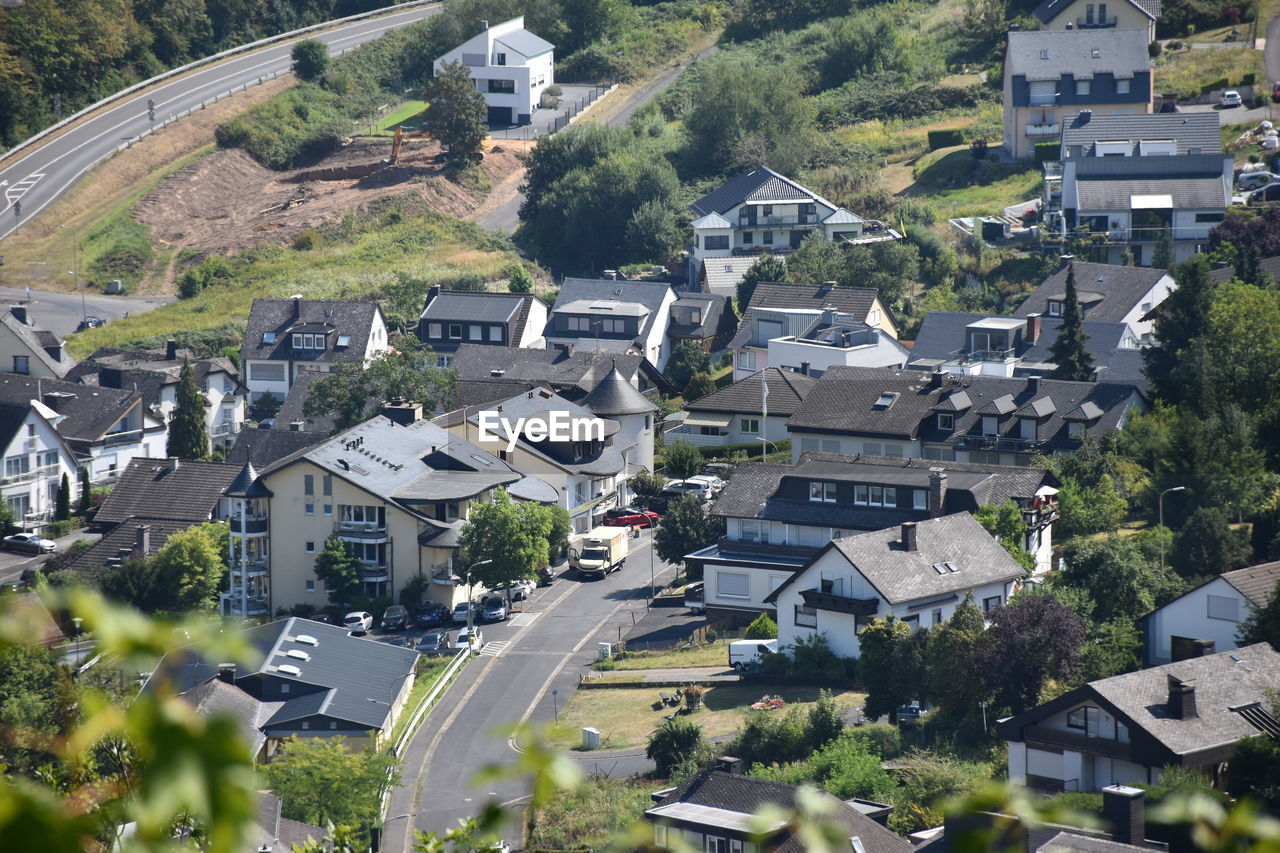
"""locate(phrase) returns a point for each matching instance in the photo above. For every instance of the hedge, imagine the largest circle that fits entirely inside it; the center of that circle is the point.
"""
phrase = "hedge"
(1048, 152)
(945, 139)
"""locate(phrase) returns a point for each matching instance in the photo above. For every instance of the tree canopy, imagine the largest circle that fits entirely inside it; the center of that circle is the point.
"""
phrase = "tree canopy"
(512, 535)
(310, 58)
(685, 528)
(339, 569)
(353, 392)
(456, 112)
(188, 434)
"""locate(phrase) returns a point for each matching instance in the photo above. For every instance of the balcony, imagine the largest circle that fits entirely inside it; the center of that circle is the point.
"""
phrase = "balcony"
(1125, 236)
(128, 436)
(1075, 741)
(1037, 129)
(32, 474)
(258, 605)
(254, 525)
(696, 438)
(961, 356)
(778, 221)
(374, 572)
(254, 568)
(765, 550)
(1100, 22)
(224, 429)
(1043, 100)
(999, 442)
(361, 531)
(444, 575)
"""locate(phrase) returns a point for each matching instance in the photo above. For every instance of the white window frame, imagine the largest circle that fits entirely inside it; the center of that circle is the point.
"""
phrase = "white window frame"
(738, 581)
(1221, 601)
(435, 330)
(920, 499)
(495, 334)
(809, 615)
(946, 420)
(751, 426)
(822, 491)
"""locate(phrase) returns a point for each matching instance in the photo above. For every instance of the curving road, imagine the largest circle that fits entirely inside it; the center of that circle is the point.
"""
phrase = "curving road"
(36, 179)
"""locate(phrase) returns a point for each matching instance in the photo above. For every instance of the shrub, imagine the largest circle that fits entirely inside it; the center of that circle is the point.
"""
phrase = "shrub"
(762, 628)
(945, 139)
(1154, 49)
(693, 696)
(1048, 152)
(1175, 45)
(306, 240)
(674, 742)
(712, 636)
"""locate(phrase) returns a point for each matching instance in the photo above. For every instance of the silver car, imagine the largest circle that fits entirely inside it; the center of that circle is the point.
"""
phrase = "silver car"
(30, 543)
(494, 608)
(435, 642)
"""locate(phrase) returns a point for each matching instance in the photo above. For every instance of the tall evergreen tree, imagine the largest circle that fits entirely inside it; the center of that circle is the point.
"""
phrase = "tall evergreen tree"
(62, 508)
(1069, 352)
(188, 436)
(1249, 266)
(1162, 254)
(86, 496)
(1182, 319)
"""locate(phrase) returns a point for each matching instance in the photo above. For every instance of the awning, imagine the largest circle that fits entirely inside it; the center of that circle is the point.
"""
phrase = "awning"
(1151, 202)
(708, 419)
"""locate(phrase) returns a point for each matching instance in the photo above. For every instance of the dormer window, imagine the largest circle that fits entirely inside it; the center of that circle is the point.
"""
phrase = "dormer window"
(1028, 429)
(946, 420)
(885, 400)
(822, 492)
(1075, 429)
(455, 331)
(989, 425)
(308, 341)
(1055, 307)
(268, 337)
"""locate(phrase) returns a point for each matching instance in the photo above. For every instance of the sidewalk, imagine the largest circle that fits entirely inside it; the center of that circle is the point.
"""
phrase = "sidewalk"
(690, 674)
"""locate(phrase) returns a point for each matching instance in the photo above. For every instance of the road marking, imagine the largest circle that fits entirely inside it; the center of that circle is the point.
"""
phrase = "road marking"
(521, 619)
(493, 649)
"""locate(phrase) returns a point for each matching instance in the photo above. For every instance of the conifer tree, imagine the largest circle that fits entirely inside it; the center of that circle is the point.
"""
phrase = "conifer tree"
(62, 508)
(188, 436)
(1069, 352)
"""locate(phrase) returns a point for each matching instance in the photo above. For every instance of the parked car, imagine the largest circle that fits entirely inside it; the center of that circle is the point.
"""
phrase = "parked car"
(1270, 192)
(494, 608)
(1255, 180)
(461, 610)
(1229, 98)
(404, 641)
(464, 638)
(546, 575)
(723, 470)
(30, 543)
(678, 488)
(630, 516)
(714, 483)
(516, 590)
(435, 642)
(395, 618)
(90, 323)
(1275, 92)
(431, 615)
(358, 622)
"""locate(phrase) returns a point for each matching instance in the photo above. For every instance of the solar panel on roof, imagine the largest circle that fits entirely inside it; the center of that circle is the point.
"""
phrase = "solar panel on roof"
(604, 305)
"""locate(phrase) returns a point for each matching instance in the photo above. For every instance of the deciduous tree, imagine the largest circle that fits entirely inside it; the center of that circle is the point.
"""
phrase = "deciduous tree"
(1207, 545)
(687, 359)
(682, 460)
(955, 648)
(513, 536)
(339, 570)
(768, 268)
(321, 781)
(879, 644)
(310, 59)
(456, 112)
(686, 528)
(699, 386)
(188, 434)
(353, 393)
(1262, 625)
(1032, 639)
(673, 743)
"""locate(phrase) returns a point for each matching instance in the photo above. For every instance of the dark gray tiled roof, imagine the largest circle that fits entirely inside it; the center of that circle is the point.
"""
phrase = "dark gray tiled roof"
(843, 402)
(263, 447)
(900, 575)
(786, 390)
(355, 319)
(1120, 52)
(616, 396)
(12, 417)
(120, 544)
(1256, 583)
(539, 405)
(40, 342)
(478, 392)
(573, 374)
(340, 675)
(650, 294)
(1121, 288)
(856, 301)
(463, 305)
(746, 795)
(167, 488)
(292, 409)
(761, 183)
(147, 371)
(1051, 9)
(715, 314)
(1194, 133)
(88, 413)
(1271, 266)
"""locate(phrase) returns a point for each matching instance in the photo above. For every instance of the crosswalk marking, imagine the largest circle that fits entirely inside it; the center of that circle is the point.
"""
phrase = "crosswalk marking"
(493, 649)
(521, 619)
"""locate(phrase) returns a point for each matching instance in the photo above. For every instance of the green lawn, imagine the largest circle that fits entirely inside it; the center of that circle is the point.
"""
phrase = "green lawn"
(430, 669)
(711, 654)
(401, 115)
(625, 716)
(954, 183)
(1188, 71)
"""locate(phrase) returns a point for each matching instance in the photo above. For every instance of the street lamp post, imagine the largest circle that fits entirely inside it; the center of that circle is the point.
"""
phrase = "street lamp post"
(764, 447)
(471, 604)
(1160, 505)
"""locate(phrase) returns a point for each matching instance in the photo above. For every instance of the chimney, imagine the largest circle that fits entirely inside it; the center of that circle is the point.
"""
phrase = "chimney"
(402, 411)
(1033, 328)
(909, 536)
(171, 350)
(1033, 384)
(297, 306)
(432, 293)
(804, 368)
(937, 491)
(935, 379)
(563, 351)
(142, 540)
(1064, 261)
(729, 764)
(1203, 648)
(484, 25)
(110, 377)
(296, 426)
(827, 287)
(1182, 698)
(1085, 116)
(19, 313)
(1124, 809)
(227, 672)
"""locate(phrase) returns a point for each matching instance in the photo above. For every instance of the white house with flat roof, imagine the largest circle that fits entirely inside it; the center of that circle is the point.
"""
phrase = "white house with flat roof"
(511, 67)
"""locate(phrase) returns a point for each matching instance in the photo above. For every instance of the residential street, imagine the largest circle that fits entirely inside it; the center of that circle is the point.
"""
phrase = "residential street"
(544, 648)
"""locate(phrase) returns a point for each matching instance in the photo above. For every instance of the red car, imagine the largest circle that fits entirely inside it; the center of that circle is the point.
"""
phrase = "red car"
(629, 516)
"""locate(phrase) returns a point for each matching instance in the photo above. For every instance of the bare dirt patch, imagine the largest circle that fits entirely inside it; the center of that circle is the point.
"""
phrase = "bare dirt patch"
(227, 201)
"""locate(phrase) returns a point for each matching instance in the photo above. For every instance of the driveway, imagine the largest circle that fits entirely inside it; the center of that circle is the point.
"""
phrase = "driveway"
(12, 564)
(526, 671)
(1234, 115)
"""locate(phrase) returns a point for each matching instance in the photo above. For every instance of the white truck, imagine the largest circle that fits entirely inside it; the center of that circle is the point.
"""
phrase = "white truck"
(747, 654)
(601, 551)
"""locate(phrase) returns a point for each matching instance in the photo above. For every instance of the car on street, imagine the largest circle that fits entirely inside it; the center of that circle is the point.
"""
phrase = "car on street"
(430, 615)
(461, 610)
(358, 622)
(517, 590)
(630, 516)
(714, 483)
(30, 543)
(546, 575)
(494, 608)
(679, 488)
(395, 618)
(435, 642)
(1229, 98)
(464, 638)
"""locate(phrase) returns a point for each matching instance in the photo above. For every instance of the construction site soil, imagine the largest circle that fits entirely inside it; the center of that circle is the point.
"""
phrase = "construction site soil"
(227, 201)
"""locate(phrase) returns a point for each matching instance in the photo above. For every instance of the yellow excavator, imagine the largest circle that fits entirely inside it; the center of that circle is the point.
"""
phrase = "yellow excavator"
(401, 134)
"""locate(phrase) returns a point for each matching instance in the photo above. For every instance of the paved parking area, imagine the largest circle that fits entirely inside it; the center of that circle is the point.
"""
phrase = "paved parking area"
(573, 95)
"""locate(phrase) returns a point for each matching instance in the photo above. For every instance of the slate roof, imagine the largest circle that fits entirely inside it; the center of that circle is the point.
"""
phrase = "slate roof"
(786, 390)
(275, 832)
(856, 301)
(1223, 681)
(1122, 289)
(262, 447)
(478, 392)
(1050, 9)
(167, 488)
(86, 414)
(291, 410)
(900, 575)
(40, 342)
(650, 294)
(1255, 583)
(511, 309)
(1108, 183)
(944, 332)
(147, 371)
(354, 319)
(339, 676)
(721, 275)
(1271, 266)
(120, 544)
(760, 184)
(615, 396)
(12, 417)
(409, 465)
(1121, 52)
(744, 795)
(843, 403)
(1194, 133)
(717, 316)
(753, 490)
(572, 375)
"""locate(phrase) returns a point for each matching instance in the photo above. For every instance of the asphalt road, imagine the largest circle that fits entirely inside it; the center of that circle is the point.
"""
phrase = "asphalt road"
(505, 219)
(39, 177)
(525, 659)
(60, 313)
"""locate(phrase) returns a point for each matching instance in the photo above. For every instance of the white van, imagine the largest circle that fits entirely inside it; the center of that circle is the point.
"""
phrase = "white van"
(744, 654)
